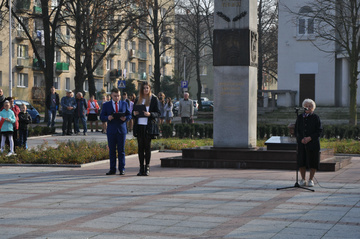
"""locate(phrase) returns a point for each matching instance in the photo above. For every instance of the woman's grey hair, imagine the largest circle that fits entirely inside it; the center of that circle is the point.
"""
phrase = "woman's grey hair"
(310, 101)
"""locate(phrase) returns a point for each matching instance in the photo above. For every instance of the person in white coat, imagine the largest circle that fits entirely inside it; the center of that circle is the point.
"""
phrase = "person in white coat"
(168, 110)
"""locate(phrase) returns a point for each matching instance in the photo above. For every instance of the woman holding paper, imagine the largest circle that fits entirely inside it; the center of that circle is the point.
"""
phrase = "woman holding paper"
(145, 112)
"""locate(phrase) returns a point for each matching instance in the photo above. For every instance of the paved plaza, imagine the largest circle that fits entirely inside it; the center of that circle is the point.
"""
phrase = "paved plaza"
(53, 202)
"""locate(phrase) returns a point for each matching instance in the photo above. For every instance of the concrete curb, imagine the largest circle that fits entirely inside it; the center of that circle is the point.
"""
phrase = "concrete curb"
(70, 165)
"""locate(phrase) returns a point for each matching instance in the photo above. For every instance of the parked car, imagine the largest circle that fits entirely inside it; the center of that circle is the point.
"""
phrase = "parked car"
(204, 99)
(207, 106)
(35, 116)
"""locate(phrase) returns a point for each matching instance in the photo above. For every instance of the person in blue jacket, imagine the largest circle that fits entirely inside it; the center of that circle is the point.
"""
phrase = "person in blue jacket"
(116, 113)
(7, 129)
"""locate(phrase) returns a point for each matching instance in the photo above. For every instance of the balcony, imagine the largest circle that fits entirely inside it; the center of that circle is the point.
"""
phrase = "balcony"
(99, 71)
(22, 62)
(20, 35)
(115, 50)
(23, 5)
(36, 64)
(62, 67)
(132, 53)
(134, 76)
(166, 40)
(62, 40)
(99, 47)
(114, 74)
(37, 10)
(166, 60)
(142, 55)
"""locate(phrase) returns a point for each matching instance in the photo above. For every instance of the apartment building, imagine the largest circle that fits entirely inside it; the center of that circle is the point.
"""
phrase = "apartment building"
(131, 57)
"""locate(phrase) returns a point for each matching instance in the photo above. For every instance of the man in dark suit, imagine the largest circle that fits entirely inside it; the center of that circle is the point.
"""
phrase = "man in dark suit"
(116, 129)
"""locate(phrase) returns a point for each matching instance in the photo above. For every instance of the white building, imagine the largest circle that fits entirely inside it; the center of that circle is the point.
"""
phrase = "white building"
(302, 67)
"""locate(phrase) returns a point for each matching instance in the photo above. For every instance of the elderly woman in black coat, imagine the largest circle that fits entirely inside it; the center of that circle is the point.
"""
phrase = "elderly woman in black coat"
(308, 130)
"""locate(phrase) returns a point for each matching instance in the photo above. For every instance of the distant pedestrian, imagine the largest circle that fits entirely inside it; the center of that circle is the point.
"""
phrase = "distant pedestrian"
(308, 130)
(52, 104)
(2, 99)
(16, 111)
(68, 105)
(24, 121)
(186, 108)
(104, 122)
(7, 128)
(80, 113)
(130, 104)
(93, 109)
(168, 110)
(161, 100)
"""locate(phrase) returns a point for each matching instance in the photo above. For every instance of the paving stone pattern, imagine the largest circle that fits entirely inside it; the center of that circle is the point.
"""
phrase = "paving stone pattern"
(39, 202)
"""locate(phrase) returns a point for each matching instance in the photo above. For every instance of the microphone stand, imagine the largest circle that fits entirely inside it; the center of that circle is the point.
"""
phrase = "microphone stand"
(297, 185)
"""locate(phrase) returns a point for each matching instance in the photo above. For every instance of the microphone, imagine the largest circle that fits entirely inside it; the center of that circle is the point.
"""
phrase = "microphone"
(306, 108)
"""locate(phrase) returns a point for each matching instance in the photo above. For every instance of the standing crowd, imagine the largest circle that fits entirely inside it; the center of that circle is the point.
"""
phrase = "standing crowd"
(14, 121)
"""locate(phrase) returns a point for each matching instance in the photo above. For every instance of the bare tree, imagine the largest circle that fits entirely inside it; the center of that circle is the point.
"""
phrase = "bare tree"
(267, 33)
(196, 24)
(337, 22)
(45, 24)
(96, 25)
(157, 27)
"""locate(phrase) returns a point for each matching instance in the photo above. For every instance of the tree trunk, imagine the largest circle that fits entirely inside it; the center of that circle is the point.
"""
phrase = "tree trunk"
(353, 92)
(157, 73)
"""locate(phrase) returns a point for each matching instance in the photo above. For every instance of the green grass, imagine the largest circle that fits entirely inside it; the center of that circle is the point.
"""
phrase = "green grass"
(68, 152)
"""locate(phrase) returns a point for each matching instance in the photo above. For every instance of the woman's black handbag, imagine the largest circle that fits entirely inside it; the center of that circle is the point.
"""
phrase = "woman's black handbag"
(152, 128)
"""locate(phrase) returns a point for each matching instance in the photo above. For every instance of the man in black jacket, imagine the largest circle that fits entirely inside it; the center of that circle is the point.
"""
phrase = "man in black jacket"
(52, 104)
(2, 99)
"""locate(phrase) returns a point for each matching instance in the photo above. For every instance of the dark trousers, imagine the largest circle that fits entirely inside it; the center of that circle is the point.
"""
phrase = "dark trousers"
(116, 140)
(67, 121)
(23, 134)
(52, 116)
(83, 121)
(186, 120)
(144, 145)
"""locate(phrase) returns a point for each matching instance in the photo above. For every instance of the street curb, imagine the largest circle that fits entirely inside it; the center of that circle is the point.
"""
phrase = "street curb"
(70, 165)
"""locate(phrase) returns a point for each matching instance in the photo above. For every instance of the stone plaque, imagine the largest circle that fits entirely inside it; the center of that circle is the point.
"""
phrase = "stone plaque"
(236, 47)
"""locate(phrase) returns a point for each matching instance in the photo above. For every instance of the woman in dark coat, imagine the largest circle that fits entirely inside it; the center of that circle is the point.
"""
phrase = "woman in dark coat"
(142, 122)
(308, 130)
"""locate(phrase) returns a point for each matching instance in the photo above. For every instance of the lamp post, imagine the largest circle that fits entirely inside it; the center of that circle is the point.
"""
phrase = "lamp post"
(184, 68)
(10, 51)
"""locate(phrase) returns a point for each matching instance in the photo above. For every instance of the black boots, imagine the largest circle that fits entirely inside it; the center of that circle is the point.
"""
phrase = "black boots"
(147, 170)
(144, 170)
(141, 171)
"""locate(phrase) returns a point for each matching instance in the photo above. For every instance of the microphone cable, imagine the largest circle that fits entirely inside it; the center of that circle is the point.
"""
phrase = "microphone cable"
(317, 182)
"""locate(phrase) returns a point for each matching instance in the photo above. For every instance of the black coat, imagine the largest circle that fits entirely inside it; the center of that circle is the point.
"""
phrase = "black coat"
(309, 126)
(48, 101)
(153, 109)
(24, 120)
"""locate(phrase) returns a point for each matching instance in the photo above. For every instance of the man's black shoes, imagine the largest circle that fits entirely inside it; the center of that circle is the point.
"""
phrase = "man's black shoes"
(111, 173)
(122, 172)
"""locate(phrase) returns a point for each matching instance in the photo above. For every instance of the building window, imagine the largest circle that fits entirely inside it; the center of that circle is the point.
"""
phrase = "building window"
(132, 67)
(22, 80)
(108, 63)
(119, 43)
(108, 88)
(150, 70)
(57, 83)
(118, 64)
(0, 78)
(22, 51)
(0, 48)
(68, 59)
(86, 86)
(36, 81)
(150, 49)
(133, 45)
(203, 71)
(57, 56)
(305, 22)
(67, 83)
(126, 44)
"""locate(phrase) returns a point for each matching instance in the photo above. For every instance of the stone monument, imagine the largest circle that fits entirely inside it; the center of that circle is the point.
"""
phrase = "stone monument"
(235, 73)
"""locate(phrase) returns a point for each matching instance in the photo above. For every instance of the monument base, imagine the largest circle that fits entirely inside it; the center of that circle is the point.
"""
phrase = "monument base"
(258, 158)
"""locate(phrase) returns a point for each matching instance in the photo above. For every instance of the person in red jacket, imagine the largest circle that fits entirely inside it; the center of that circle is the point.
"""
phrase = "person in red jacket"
(92, 110)
(16, 111)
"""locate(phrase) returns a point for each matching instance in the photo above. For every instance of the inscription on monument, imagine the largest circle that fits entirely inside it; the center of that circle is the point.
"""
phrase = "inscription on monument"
(231, 3)
(230, 88)
(236, 47)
